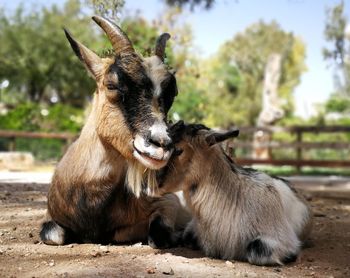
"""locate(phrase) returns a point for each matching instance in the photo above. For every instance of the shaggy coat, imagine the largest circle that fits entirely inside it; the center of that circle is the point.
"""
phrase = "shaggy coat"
(238, 213)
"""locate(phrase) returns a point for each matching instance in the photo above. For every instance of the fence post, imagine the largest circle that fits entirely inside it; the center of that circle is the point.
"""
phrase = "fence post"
(299, 153)
(270, 139)
(68, 142)
(12, 144)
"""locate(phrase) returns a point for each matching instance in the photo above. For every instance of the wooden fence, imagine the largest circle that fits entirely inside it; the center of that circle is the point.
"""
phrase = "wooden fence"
(298, 145)
(12, 135)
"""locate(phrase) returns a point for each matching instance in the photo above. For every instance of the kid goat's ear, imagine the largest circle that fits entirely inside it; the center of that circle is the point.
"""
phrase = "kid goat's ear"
(91, 60)
(176, 131)
(218, 137)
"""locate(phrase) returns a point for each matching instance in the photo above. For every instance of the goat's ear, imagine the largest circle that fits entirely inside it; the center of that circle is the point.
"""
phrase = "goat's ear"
(91, 60)
(218, 137)
(177, 127)
(177, 130)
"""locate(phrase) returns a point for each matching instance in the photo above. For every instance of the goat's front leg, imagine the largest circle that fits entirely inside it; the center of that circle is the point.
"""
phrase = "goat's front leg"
(166, 222)
(132, 233)
(190, 235)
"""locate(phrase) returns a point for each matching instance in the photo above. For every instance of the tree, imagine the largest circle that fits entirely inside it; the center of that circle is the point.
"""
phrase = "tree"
(236, 74)
(41, 67)
(208, 4)
(107, 8)
(338, 54)
(36, 58)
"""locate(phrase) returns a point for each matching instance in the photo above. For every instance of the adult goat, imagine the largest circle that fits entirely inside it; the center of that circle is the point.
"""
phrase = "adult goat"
(96, 191)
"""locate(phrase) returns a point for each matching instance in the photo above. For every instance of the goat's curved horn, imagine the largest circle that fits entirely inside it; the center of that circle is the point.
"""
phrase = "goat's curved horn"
(118, 38)
(160, 45)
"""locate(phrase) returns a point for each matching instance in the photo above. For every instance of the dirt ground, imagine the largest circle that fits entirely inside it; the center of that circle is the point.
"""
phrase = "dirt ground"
(22, 254)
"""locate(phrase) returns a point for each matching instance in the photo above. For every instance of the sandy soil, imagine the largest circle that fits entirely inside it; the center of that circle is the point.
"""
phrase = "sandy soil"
(22, 205)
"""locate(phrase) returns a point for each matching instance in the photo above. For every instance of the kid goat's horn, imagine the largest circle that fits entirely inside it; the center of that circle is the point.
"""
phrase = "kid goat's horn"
(218, 137)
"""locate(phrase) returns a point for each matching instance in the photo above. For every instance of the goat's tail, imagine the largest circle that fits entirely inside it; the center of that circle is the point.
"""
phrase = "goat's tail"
(52, 234)
(266, 251)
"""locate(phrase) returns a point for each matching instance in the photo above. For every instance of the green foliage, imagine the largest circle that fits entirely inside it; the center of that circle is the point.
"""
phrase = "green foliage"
(236, 74)
(42, 149)
(25, 117)
(107, 8)
(190, 102)
(142, 34)
(338, 104)
(63, 118)
(224, 90)
(33, 117)
(36, 58)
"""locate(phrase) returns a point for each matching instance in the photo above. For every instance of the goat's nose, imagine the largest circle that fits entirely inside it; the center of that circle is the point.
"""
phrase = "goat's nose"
(161, 142)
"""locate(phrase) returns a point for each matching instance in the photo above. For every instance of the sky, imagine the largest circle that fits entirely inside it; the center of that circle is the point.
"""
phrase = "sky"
(305, 18)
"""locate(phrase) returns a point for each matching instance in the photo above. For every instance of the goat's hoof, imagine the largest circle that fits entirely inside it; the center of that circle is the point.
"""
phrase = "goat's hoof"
(290, 258)
(259, 253)
(52, 234)
(189, 240)
(160, 235)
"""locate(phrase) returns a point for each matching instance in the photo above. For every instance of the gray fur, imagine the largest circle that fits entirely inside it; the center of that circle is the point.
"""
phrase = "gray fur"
(238, 213)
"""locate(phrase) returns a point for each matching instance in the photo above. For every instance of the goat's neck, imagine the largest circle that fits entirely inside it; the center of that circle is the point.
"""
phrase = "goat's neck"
(217, 186)
(90, 160)
(218, 171)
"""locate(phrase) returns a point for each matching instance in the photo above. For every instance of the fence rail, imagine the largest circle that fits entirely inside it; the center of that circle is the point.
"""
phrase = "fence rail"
(12, 135)
(296, 129)
(296, 163)
(298, 144)
(292, 145)
(42, 135)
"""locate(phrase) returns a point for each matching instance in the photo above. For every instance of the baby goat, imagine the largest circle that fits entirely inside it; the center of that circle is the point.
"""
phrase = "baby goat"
(238, 213)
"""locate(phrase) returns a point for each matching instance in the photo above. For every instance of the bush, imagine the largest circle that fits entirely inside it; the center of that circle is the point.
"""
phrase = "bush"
(24, 117)
(42, 149)
(34, 117)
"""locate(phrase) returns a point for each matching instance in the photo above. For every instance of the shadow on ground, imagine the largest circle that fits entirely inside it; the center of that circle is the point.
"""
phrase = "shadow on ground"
(22, 207)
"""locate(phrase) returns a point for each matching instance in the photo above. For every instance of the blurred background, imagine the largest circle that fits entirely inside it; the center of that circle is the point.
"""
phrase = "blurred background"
(278, 69)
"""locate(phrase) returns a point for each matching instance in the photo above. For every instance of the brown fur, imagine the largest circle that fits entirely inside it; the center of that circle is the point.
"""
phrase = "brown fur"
(127, 215)
(90, 198)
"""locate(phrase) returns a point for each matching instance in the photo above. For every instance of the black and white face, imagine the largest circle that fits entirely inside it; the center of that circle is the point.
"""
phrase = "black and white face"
(144, 92)
(133, 97)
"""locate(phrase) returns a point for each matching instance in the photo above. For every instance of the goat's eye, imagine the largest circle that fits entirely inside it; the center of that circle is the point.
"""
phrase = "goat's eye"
(112, 86)
(178, 152)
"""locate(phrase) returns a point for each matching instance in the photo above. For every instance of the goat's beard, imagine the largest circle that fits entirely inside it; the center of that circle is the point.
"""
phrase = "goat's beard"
(140, 179)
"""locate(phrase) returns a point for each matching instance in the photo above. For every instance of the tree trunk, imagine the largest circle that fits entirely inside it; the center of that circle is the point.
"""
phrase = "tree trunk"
(271, 111)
